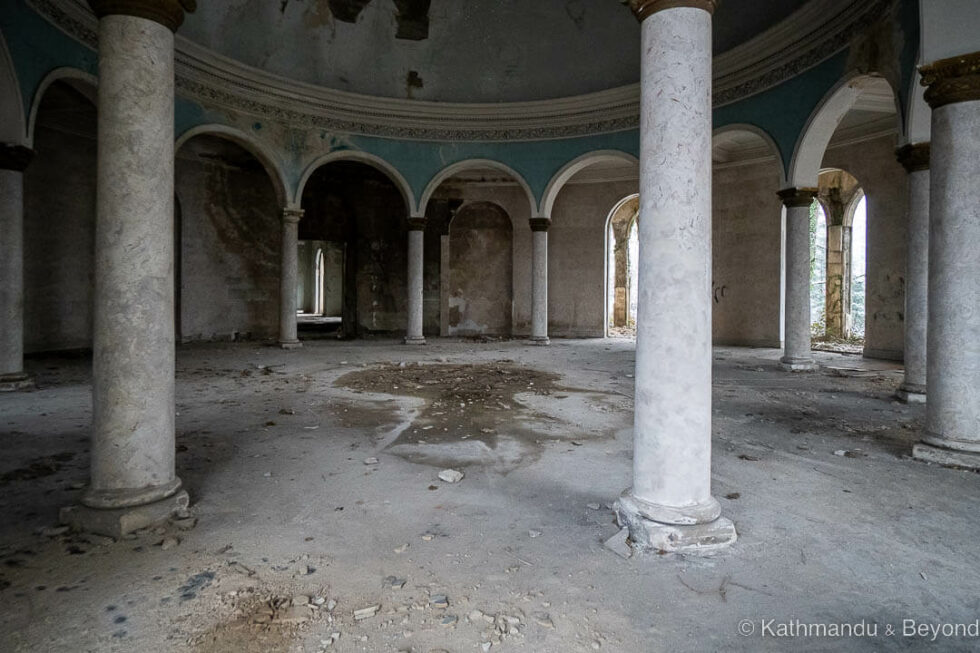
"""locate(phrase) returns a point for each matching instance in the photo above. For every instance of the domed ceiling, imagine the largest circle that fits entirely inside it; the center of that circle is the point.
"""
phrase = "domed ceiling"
(451, 50)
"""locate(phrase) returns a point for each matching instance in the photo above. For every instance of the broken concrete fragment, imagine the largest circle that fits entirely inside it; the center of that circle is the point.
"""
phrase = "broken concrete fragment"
(439, 601)
(54, 531)
(449, 620)
(371, 461)
(169, 543)
(294, 614)
(544, 620)
(450, 476)
(619, 545)
(367, 612)
(392, 582)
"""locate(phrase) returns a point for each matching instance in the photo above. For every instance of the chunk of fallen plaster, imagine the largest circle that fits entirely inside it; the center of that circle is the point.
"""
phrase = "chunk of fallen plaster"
(618, 544)
(366, 613)
(450, 476)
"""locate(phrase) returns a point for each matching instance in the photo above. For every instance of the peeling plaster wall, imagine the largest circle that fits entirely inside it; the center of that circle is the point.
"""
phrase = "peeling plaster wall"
(512, 199)
(577, 257)
(746, 253)
(230, 236)
(480, 271)
(885, 183)
(59, 241)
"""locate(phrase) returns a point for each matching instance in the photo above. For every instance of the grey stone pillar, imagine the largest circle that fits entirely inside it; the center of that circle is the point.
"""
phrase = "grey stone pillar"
(539, 280)
(133, 481)
(416, 270)
(915, 158)
(953, 367)
(796, 350)
(670, 507)
(288, 277)
(13, 161)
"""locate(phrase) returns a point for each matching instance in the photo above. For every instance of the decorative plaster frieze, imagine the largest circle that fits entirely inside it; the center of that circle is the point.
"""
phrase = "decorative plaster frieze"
(816, 32)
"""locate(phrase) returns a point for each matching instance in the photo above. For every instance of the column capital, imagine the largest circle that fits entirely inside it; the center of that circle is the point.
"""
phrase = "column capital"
(15, 157)
(416, 223)
(914, 156)
(643, 9)
(796, 197)
(952, 80)
(540, 224)
(292, 215)
(169, 13)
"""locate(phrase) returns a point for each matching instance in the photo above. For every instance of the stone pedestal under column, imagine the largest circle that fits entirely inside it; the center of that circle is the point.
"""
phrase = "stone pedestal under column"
(952, 434)
(670, 507)
(797, 355)
(539, 281)
(14, 159)
(288, 279)
(133, 482)
(416, 270)
(915, 158)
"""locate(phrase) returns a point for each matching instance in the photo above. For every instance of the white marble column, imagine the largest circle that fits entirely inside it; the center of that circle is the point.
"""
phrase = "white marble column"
(670, 507)
(133, 481)
(13, 161)
(288, 278)
(416, 271)
(953, 367)
(796, 348)
(539, 280)
(915, 158)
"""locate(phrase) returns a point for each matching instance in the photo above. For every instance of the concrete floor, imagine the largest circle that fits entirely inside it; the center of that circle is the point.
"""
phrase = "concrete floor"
(273, 455)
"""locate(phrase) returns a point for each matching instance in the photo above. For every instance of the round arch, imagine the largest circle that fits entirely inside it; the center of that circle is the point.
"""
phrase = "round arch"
(357, 156)
(13, 129)
(268, 160)
(470, 164)
(755, 130)
(573, 167)
(812, 143)
(49, 79)
(606, 243)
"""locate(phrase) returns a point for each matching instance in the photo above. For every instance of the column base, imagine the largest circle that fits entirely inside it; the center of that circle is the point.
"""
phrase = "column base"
(797, 364)
(540, 340)
(649, 536)
(946, 457)
(413, 340)
(116, 522)
(291, 344)
(15, 382)
(911, 393)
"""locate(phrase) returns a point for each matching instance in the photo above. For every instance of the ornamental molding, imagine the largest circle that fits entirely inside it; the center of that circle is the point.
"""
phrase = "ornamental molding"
(914, 157)
(814, 33)
(645, 8)
(952, 80)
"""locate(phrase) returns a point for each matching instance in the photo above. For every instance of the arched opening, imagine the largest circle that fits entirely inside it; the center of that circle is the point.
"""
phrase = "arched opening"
(229, 241)
(481, 289)
(593, 203)
(622, 268)
(454, 303)
(355, 214)
(856, 130)
(59, 219)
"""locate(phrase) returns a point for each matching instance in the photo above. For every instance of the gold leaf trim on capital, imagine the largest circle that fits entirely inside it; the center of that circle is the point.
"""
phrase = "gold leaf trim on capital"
(952, 80)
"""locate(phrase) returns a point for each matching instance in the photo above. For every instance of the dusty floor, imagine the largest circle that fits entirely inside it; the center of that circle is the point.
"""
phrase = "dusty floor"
(836, 524)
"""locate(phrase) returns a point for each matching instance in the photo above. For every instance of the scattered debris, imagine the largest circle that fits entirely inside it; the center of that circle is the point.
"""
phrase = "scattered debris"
(619, 544)
(366, 612)
(450, 476)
